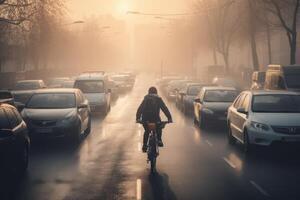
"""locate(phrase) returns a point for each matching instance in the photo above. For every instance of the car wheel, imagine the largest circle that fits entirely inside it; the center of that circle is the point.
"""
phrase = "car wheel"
(202, 121)
(248, 148)
(231, 139)
(76, 136)
(88, 129)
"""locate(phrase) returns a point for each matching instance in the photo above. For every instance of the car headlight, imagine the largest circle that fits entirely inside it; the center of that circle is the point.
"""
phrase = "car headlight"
(259, 126)
(69, 118)
(207, 111)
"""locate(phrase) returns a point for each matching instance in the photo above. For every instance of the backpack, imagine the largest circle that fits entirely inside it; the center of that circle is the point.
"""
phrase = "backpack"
(151, 107)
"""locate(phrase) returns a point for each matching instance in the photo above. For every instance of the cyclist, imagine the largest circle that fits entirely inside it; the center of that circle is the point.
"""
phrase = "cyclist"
(149, 111)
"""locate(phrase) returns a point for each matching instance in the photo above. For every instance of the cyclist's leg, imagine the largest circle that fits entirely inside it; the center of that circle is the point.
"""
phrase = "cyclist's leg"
(145, 138)
(159, 135)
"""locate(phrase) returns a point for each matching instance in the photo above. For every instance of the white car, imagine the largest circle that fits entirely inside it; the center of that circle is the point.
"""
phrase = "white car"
(96, 89)
(264, 118)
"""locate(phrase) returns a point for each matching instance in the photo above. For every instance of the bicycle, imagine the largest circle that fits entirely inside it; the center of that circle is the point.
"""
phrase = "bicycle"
(152, 144)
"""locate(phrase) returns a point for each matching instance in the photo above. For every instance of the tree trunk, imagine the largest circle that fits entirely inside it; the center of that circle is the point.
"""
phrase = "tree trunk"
(293, 49)
(252, 33)
(226, 60)
(215, 56)
(254, 52)
(269, 44)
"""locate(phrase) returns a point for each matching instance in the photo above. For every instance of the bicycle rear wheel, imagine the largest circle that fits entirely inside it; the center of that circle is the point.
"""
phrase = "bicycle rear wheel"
(153, 164)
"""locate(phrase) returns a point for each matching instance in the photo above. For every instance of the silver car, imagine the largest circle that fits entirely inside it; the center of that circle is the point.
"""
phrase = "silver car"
(264, 118)
(58, 113)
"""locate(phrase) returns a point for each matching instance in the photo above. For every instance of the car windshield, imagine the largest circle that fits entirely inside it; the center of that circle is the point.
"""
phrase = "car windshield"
(278, 103)
(27, 86)
(52, 101)
(220, 96)
(194, 90)
(90, 86)
(292, 80)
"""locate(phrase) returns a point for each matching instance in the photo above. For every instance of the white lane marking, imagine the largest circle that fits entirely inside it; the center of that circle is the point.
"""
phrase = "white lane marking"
(229, 163)
(139, 189)
(260, 189)
(139, 146)
(208, 142)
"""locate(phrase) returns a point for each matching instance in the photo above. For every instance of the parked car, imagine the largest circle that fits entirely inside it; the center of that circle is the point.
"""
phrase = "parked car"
(164, 82)
(188, 95)
(226, 82)
(24, 89)
(264, 118)
(57, 82)
(211, 104)
(6, 97)
(174, 87)
(96, 89)
(14, 140)
(30, 85)
(58, 113)
(280, 77)
(123, 81)
(258, 80)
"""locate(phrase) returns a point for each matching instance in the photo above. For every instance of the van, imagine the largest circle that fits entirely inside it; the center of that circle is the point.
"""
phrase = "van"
(258, 80)
(95, 86)
(280, 77)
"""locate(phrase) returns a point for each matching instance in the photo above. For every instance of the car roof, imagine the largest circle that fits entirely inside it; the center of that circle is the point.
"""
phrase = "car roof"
(91, 76)
(197, 83)
(262, 92)
(218, 88)
(56, 90)
(28, 81)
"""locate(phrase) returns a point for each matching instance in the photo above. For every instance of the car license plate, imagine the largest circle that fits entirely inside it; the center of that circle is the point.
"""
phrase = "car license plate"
(44, 130)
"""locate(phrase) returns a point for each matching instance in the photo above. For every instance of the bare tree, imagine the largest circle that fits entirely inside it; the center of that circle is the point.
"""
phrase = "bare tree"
(15, 12)
(286, 11)
(223, 18)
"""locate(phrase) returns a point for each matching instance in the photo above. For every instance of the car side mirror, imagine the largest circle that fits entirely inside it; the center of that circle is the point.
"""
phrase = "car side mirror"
(83, 105)
(19, 106)
(242, 110)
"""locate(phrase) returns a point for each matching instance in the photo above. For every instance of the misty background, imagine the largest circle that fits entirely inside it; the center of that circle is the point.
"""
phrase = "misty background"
(163, 36)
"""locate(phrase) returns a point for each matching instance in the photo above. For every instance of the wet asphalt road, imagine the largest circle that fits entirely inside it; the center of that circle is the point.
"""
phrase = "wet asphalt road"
(194, 165)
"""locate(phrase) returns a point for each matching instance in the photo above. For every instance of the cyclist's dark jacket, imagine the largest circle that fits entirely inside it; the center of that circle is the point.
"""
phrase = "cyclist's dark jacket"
(150, 108)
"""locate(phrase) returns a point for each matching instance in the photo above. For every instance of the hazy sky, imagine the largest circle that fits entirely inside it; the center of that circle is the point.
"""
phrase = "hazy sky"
(82, 8)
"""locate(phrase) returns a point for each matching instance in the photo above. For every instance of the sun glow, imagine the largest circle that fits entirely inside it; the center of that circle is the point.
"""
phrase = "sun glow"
(123, 7)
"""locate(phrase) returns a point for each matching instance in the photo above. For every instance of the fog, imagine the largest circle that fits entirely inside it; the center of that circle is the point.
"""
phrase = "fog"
(165, 37)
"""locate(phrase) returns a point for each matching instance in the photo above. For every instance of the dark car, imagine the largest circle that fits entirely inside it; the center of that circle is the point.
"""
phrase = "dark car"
(212, 103)
(56, 114)
(188, 95)
(14, 140)
(24, 89)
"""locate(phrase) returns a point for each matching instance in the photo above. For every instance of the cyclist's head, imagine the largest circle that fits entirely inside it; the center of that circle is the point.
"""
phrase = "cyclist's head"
(152, 90)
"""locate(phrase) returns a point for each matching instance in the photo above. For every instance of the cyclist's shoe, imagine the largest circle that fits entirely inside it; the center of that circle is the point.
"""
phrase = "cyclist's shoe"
(160, 143)
(144, 148)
